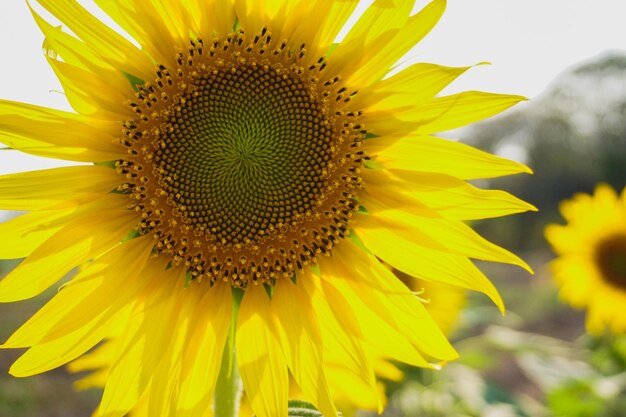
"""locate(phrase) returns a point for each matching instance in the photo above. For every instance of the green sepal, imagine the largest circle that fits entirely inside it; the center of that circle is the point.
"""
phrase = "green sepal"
(371, 135)
(299, 408)
(375, 165)
(331, 49)
(116, 191)
(107, 164)
(357, 241)
(133, 81)
(316, 269)
(131, 235)
(188, 279)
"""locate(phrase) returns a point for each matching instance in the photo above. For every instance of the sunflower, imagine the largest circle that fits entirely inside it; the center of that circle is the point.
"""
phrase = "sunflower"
(247, 177)
(591, 265)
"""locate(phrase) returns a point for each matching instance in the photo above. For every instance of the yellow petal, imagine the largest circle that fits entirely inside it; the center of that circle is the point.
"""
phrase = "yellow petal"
(95, 379)
(334, 18)
(251, 14)
(74, 52)
(342, 337)
(99, 358)
(387, 370)
(381, 17)
(165, 385)
(377, 27)
(418, 261)
(439, 114)
(386, 51)
(174, 14)
(144, 341)
(59, 44)
(261, 363)
(211, 15)
(387, 297)
(429, 154)
(290, 20)
(56, 134)
(71, 246)
(445, 235)
(103, 40)
(49, 355)
(143, 23)
(577, 277)
(379, 334)
(354, 391)
(201, 362)
(23, 234)
(562, 239)
(449, 197)
(411, 85)
(108, 284)
(38, 189)
(299, 336)
(79, 86)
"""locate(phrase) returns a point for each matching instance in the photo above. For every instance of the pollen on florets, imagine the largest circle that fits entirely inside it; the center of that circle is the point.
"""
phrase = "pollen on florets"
(242, 160)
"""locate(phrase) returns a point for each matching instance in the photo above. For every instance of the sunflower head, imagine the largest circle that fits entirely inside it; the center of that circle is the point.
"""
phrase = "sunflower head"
(248, 183)
(244, 158)
(591, 264)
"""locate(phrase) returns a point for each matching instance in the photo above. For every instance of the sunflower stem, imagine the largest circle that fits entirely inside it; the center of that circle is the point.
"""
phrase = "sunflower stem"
(228, 387)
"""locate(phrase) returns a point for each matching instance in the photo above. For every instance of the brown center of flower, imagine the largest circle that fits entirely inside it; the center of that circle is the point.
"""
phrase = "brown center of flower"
(610, 257)
(243, 162)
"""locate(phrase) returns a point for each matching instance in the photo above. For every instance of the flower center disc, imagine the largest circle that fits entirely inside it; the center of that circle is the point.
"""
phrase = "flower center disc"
(249, 153)
(243, 161)
(610, 256)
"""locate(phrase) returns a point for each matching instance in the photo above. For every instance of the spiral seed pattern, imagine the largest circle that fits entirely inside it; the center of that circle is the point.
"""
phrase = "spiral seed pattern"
(243, 160)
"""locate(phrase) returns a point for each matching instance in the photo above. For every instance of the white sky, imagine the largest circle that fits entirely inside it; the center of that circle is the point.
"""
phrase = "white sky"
(529, 42)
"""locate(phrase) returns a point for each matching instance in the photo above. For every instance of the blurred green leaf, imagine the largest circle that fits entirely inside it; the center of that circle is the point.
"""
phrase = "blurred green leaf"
(574, 399)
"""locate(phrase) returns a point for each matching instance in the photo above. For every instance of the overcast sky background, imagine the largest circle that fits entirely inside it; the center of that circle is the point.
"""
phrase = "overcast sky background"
(529, 42)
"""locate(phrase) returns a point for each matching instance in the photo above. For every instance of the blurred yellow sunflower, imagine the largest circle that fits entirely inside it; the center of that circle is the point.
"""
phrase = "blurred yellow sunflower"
(241, 161)
(591, 264)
